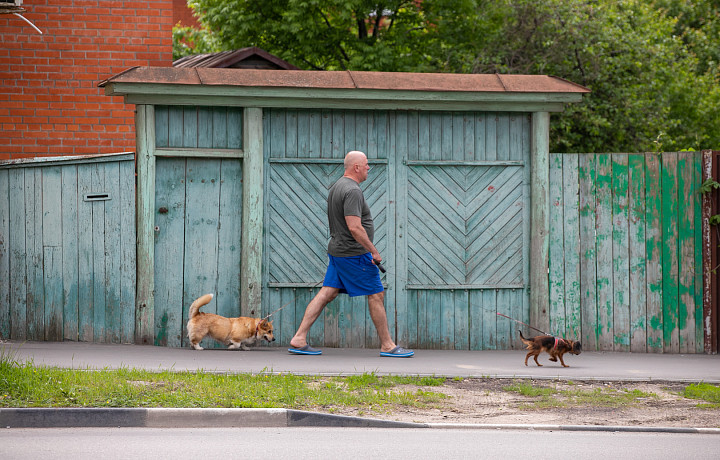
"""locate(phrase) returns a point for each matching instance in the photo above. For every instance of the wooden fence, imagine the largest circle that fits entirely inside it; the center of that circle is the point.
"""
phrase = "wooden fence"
(626, 251)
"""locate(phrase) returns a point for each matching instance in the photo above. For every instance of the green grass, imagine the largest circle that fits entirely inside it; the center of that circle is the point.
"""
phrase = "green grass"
(27, 385)
(704, 391)
(545, 398)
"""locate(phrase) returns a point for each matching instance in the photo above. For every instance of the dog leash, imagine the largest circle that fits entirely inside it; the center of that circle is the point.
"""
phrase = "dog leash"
(525, 324)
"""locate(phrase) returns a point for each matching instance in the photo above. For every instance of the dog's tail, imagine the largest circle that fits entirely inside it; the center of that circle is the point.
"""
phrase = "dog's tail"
(199, 302)
(525, 341)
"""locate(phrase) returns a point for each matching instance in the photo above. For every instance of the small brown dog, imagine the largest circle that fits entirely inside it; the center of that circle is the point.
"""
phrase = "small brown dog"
(554, 346)
(234, 332)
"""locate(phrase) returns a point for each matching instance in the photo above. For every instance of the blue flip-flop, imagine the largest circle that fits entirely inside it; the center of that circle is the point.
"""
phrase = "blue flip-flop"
(397, 352)
(306, 350)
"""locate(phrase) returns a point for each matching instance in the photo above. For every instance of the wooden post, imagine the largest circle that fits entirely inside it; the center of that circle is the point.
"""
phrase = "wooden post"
(145, 163)
(539, 220)
(252, 212)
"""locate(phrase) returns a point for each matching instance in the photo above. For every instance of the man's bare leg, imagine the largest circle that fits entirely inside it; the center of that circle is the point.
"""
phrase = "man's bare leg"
(376, 305)
(312, 313)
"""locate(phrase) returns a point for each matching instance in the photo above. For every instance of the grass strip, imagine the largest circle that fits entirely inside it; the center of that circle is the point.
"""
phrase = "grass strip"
(27, 385)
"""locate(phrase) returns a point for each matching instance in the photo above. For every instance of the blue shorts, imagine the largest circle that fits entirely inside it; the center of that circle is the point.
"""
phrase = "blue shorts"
(354, 275)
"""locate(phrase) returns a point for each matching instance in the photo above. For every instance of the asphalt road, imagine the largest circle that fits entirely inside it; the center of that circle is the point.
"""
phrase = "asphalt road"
(355, 443)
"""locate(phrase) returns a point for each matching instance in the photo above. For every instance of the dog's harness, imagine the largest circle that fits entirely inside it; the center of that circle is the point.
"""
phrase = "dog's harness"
(557, 341)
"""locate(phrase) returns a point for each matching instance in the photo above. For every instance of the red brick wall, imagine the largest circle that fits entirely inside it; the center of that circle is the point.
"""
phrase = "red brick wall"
(49, 100)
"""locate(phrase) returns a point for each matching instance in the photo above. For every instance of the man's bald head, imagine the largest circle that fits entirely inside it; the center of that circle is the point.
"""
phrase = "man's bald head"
(352, 158)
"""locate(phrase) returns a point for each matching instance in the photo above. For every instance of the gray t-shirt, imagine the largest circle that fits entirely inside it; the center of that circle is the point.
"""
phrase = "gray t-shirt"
(346, 199)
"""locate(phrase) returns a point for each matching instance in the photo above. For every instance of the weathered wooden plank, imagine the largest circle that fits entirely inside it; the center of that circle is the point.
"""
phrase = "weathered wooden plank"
(112, 252)
(686, 263)
(458, 137)
(526, 200)
(127, 252)
(350, 138)
(502, 143)
(205, 127)
(653, 252)
(145, 160)
(219, 127)
(169, 302)
(338, 134)
(18, 256)
(51, 240)
(97, 186)
(488, 305)
(361, 131)
(620, 253)
(252, 210)
(359, 326)
(504, 328)
(33, 235)
(461, 331)
(479, 130)
(5, 254)
(539, 215)
(291, 134)
(670, 247)
(604, 245)
(405, 303)
(53, 293)
(409, 324)
(571, 233)
(556, 240)
(517, 305)
(447, 320)
(70, 234)
(468, 140)
(235, 127)
(162, 126)
(588, 262)
(491, 122)
(699, 249)
(516, 136)
(229, 292)
(202, 201)
(190, 127)
(85, 256)
(385, 213)
(175, 126)
(638, 278)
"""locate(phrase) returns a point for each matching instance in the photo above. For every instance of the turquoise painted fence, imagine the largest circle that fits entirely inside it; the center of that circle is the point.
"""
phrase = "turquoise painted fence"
(449, 194)
(67, 250)
(626, 251)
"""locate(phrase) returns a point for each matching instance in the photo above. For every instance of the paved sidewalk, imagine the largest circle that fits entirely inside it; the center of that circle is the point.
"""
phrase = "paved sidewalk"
(342, 361)
(333, 361)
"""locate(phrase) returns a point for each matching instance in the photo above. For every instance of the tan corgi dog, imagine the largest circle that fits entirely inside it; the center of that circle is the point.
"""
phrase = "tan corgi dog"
(234, 332)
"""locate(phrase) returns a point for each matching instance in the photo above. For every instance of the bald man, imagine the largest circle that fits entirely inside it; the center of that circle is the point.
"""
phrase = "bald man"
(352, 261)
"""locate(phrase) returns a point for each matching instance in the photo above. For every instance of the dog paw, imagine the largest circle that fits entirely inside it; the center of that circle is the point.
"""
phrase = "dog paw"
(198, 347)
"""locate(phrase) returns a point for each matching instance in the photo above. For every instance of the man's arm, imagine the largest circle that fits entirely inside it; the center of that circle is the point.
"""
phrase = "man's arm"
(354, 224)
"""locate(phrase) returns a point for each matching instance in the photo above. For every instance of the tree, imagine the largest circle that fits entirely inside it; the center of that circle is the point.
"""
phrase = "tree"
(652, 67)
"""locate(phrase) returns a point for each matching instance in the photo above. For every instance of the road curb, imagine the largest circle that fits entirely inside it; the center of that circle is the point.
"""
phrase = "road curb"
(46, 417)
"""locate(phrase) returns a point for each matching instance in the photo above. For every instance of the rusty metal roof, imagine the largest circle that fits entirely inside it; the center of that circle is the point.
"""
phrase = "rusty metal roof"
(393, 81)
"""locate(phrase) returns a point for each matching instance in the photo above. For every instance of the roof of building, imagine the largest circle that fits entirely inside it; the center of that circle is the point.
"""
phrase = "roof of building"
(394, 81)
(245, 58)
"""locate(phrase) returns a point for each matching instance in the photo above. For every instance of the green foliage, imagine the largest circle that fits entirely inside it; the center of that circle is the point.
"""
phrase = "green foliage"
(652, 66)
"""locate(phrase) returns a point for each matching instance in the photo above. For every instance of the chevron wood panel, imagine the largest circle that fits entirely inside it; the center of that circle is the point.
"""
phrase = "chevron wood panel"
(297, 213)
(465, 226)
